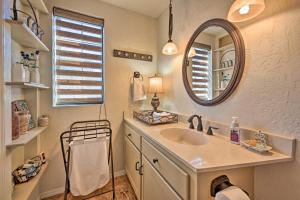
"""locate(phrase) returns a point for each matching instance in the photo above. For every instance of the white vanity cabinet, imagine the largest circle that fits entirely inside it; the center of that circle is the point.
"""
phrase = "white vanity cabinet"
(171, 170)
(151, 174)
(133, 160)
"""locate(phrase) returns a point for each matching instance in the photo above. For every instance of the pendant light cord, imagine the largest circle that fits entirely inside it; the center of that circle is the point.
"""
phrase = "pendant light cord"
(170, 22)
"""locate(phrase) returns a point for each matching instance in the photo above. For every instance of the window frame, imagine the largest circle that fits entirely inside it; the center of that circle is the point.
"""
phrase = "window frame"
(54, 103)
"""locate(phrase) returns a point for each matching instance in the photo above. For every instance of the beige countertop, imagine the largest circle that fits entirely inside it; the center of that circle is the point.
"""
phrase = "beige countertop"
(217, 154)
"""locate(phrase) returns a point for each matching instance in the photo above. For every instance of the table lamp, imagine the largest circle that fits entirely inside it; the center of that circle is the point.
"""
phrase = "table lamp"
(155, 86)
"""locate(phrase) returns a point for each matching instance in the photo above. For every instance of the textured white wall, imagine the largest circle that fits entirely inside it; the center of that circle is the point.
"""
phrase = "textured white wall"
(123, 30)
(268, 95)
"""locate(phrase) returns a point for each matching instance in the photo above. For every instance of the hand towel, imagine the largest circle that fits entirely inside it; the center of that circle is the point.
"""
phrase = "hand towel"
(159, 116)
(89, 166)
(138, 89)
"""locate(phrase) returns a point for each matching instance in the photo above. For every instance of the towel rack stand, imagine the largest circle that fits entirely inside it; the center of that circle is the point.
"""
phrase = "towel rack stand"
(86, 130)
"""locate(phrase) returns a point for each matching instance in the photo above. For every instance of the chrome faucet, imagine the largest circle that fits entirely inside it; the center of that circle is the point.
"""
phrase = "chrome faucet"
(199, 127)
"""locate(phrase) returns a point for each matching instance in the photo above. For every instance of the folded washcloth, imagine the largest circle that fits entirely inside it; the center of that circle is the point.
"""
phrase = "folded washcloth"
(158, 117)
(162, 114)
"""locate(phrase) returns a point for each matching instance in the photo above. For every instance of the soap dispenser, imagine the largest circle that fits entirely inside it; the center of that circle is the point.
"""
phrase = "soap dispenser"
(235, 131)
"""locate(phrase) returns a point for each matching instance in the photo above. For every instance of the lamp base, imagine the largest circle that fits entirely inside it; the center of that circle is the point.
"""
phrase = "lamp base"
(155, 102)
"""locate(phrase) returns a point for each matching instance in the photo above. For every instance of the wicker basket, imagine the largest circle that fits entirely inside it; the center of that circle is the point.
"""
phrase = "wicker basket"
(20, 123)
(146, 116)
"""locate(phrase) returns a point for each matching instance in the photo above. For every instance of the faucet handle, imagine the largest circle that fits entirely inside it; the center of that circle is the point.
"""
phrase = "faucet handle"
(210, 130)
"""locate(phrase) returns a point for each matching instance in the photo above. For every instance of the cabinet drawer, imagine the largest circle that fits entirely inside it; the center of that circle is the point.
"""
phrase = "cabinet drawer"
(176, 177)
(133, 136)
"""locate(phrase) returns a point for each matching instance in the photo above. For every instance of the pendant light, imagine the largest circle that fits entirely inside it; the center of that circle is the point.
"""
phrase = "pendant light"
(243, 10)
(192, 52)
(170, 48)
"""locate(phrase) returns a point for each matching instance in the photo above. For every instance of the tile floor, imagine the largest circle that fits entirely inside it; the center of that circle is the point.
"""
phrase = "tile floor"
(124, 191)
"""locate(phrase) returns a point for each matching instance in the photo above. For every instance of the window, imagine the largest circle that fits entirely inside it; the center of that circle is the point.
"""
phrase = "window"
(201, 71)
(78, 59)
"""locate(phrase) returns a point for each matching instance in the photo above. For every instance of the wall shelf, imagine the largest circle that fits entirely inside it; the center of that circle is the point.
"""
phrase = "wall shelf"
(223, 69)
(27, 85)
(25, 37)
(38, 4)
(24, 190)
(24, 139)
(230, 46)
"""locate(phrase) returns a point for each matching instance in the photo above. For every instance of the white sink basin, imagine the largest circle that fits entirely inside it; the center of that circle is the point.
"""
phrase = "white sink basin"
(184, 136)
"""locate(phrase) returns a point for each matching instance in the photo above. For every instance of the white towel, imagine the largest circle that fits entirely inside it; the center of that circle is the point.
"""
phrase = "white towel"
(138, 90)
(89, 166)
(159, 116)
(232, 193)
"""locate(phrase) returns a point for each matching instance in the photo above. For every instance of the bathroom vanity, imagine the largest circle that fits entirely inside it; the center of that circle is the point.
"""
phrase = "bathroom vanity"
(172, 162)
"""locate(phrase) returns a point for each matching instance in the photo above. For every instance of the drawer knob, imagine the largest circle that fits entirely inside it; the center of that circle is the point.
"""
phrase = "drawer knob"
(129, 135)
(155, 160)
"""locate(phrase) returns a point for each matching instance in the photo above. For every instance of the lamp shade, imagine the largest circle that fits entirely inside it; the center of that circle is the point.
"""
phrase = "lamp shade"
(170, 48)
(155, 84)
(243, 10)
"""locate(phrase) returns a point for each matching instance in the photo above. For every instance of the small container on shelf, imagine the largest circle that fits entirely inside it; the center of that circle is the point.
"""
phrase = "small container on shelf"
(15, 126)
(23, 122)
(35, 75)
(18, 73)
(21, 105)
(34, 67)
(43, 121)
(27, 74)
(20, 123)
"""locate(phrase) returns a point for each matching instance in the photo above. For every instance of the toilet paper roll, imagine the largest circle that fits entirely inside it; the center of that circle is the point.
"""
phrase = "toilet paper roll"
(232, 193)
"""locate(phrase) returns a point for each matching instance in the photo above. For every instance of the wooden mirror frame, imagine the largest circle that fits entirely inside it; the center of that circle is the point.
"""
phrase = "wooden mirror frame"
(238, 41)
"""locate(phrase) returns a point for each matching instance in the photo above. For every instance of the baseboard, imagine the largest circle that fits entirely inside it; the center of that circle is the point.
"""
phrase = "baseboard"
(52, 192)
(61, 190)
(120, 173)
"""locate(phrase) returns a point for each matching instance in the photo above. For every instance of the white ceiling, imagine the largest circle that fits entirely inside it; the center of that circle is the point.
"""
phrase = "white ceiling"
(152, 8)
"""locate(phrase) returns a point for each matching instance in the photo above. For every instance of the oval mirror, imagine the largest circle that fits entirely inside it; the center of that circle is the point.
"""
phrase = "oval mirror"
(214, 61)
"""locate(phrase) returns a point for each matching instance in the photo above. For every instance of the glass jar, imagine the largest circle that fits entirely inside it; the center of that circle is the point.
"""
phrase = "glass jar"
(35, 75)
(18, 73)
(27, 74)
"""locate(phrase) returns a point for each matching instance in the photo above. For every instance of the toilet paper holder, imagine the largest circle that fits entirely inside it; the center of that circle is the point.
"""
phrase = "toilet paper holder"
(220, 183)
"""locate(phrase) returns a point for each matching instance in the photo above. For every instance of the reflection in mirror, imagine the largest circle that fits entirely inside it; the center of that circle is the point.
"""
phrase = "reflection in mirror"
(211, 61)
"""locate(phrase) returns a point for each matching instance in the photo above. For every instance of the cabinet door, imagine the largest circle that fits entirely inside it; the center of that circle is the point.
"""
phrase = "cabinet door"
(154, 186)
(132, 162)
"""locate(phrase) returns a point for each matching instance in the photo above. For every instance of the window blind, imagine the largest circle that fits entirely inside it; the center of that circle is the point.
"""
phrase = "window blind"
(200, 70)
(78, 58)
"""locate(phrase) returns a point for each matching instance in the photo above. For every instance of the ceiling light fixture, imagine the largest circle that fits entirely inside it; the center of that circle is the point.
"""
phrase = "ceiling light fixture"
(243, 10)
(170, 47)
(192, 52)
